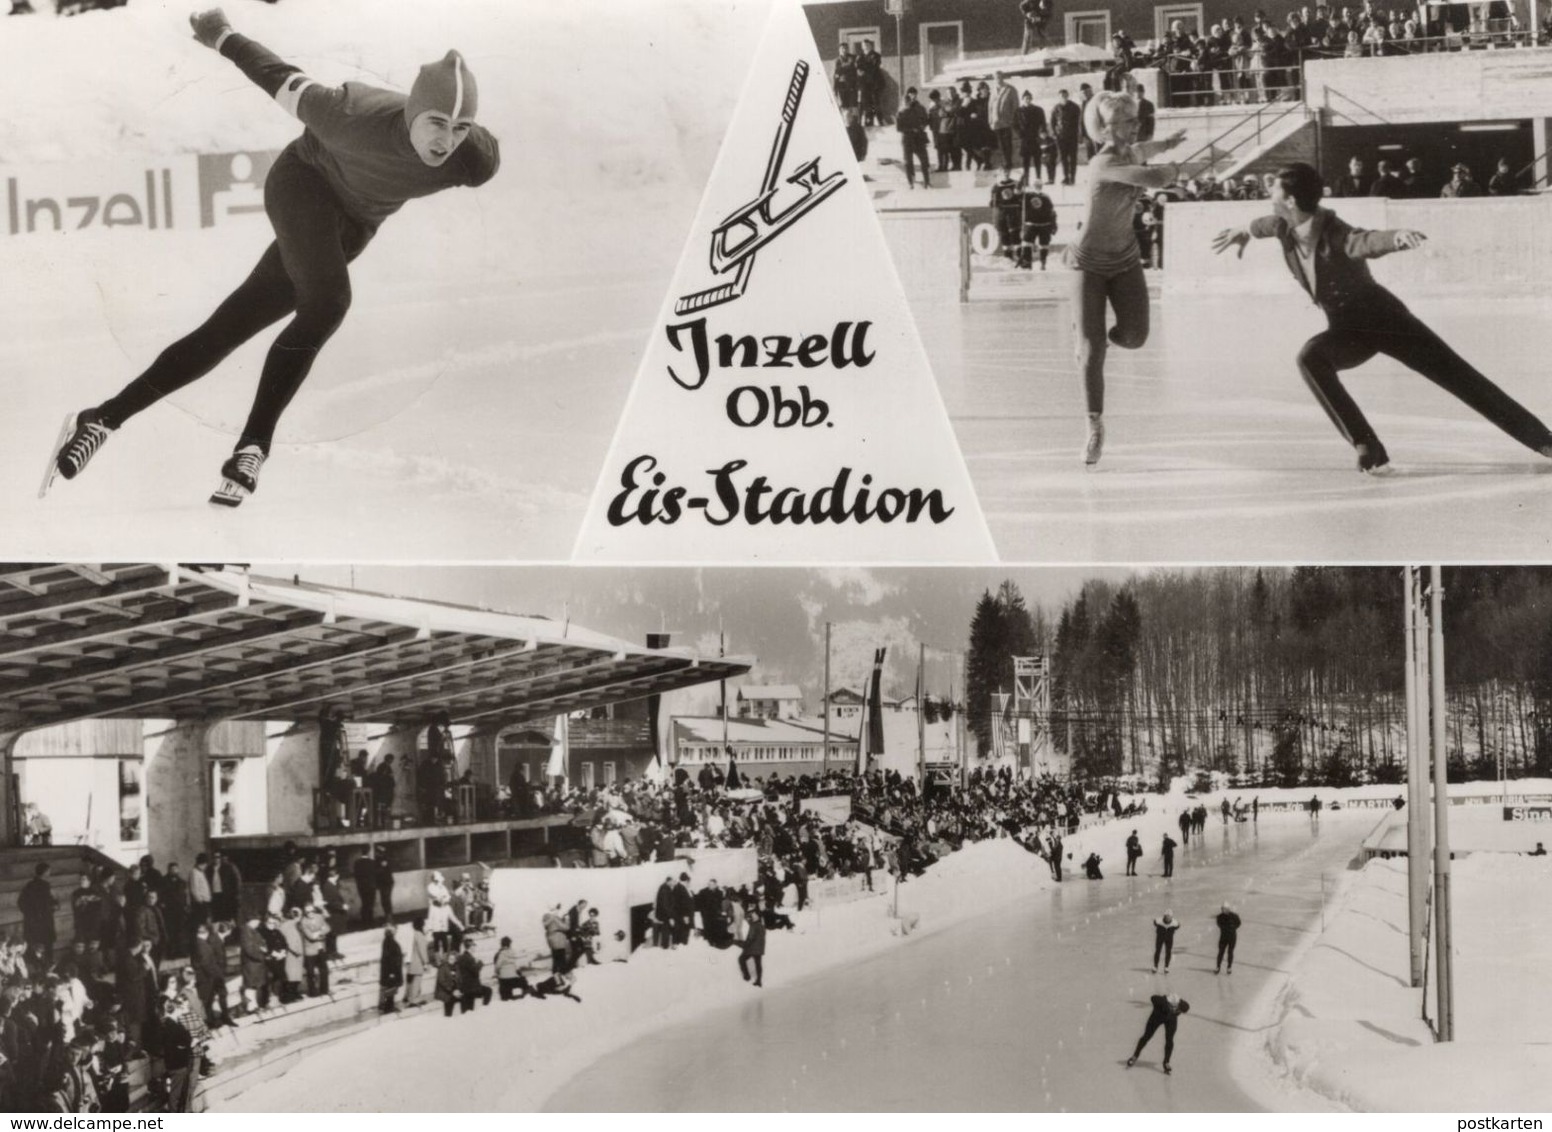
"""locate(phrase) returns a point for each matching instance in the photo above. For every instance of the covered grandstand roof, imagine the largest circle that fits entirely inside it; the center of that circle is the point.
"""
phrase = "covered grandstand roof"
(142, 640)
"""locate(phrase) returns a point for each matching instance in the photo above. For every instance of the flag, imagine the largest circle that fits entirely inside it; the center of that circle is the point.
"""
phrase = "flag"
(875, 706)
(558, 753)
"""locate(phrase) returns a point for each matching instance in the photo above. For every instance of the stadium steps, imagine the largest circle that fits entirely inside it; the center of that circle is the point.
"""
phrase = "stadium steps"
(262, 1046)
(1228, 141)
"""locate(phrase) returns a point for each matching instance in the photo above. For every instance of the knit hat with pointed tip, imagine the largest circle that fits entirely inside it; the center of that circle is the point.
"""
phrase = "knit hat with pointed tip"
(446, 86)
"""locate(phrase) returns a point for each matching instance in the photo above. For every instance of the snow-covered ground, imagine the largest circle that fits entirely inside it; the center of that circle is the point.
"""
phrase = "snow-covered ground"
(1351, 1026)
(463, 409)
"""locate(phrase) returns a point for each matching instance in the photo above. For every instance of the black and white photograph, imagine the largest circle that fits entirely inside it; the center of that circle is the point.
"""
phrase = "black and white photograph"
(369, 838)
(251, 304)
(709, 557)
(1115, 269)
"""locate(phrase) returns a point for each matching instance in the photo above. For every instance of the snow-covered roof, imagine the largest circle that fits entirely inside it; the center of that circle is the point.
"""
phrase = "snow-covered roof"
(708, 729)
(770, 692)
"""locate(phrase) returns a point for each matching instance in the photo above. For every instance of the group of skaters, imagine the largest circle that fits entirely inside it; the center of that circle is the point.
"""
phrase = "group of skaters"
(1168, 1008)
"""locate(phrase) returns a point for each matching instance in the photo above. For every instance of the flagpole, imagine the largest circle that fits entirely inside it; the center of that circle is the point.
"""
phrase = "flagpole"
(921, 717)
(824, 765)
(722, 652)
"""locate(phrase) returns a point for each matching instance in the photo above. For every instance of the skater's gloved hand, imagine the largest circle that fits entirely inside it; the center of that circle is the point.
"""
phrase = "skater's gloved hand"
(209, 26)
(1231, 238)
(1406, 240)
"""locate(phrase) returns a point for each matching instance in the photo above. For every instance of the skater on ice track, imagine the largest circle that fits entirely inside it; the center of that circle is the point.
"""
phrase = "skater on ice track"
(1228, 935)
(1326, 256)
(1168, 853)
(364, 152)
(1164, 929)
(1133, 853)
(1167, 1009)
(1105, 256)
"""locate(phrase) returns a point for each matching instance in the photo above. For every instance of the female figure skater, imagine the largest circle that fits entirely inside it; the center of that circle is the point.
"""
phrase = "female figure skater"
(1106, 258)
(364, 152)
(1326, 256)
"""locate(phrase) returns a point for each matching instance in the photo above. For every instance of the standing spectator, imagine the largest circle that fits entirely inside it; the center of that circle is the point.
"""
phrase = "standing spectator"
(940, 121)
(846, 88)
(253, 959)
(912, 122)
(951, 124)
(447, 984)
(1030, 125)
(1356, 181)
(293, 960)
(683, 910)
(557, 940)
(1133, 853)
(1065, 125)
(1460, 185)
(199, 891)
(209, 967)
(1122, 60)
(135, 985)
(151, 926)
(178, 1058)
(1048, 156)
(384, 874)
(870, 83)
(86, 908)
(175, 912)
(1503, 182)
(415, 962)
(977, 137)
(753, 947)
(1167, 851)
(439, 914)
(663, 914)
(37, 904)
(335, 908)
(314, 926)
(1239, 44)
(470, 985)
(1388, 184)
(390, 972)
(1164, 929)
(364, 870)
(1414, 184)
(1228, 934)
(1004, 119)
(225, 888)
(509, 970)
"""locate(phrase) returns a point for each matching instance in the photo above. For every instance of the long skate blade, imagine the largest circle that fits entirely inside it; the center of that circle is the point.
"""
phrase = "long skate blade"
(229, 494)
(51, 472)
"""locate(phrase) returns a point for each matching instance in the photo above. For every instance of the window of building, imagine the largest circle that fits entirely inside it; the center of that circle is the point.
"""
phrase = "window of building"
(131, 801)
(609, 774)
(587, 776)
(223, 797)
(1189, 15)
(1092, 28)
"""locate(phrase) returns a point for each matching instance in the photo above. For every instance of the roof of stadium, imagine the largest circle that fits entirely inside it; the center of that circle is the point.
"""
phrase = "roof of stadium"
(182, 642)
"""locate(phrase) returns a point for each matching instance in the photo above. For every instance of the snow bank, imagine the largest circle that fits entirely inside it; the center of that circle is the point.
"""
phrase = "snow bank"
(1350, 1026)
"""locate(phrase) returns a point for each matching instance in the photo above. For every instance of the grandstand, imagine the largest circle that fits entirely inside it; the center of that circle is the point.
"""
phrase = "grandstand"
(177, 710)
(1473, 93)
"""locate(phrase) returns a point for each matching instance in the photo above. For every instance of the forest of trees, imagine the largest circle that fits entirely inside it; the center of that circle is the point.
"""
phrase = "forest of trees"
(1284, 677)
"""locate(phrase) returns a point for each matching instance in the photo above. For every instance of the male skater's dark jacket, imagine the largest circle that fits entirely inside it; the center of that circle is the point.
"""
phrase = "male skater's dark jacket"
(1343, 284)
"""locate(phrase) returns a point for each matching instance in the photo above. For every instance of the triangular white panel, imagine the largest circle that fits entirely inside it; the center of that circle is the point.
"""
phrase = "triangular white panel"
(784, 410)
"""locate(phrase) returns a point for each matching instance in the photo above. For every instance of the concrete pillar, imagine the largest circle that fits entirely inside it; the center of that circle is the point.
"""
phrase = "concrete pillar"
(10, 804)
(176, 792)
(291, 776)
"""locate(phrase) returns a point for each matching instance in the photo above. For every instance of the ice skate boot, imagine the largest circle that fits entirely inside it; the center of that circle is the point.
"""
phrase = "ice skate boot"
(1096, 440)
(79, 438)
(239, 476)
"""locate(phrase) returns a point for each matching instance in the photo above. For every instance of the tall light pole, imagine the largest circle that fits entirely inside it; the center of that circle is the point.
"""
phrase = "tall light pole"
(1444, 941)
(1417, 780)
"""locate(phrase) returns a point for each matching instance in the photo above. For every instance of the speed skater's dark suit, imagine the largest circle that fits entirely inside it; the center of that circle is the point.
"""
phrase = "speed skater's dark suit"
(1366, 319)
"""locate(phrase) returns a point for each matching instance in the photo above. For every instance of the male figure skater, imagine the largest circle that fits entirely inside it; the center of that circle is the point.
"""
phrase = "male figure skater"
(1167, 1009)
(364, 152)
(1326, 256)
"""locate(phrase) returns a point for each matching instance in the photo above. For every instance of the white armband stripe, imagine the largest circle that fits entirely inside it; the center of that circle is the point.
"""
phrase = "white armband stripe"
(290, 94)
(223, 37)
